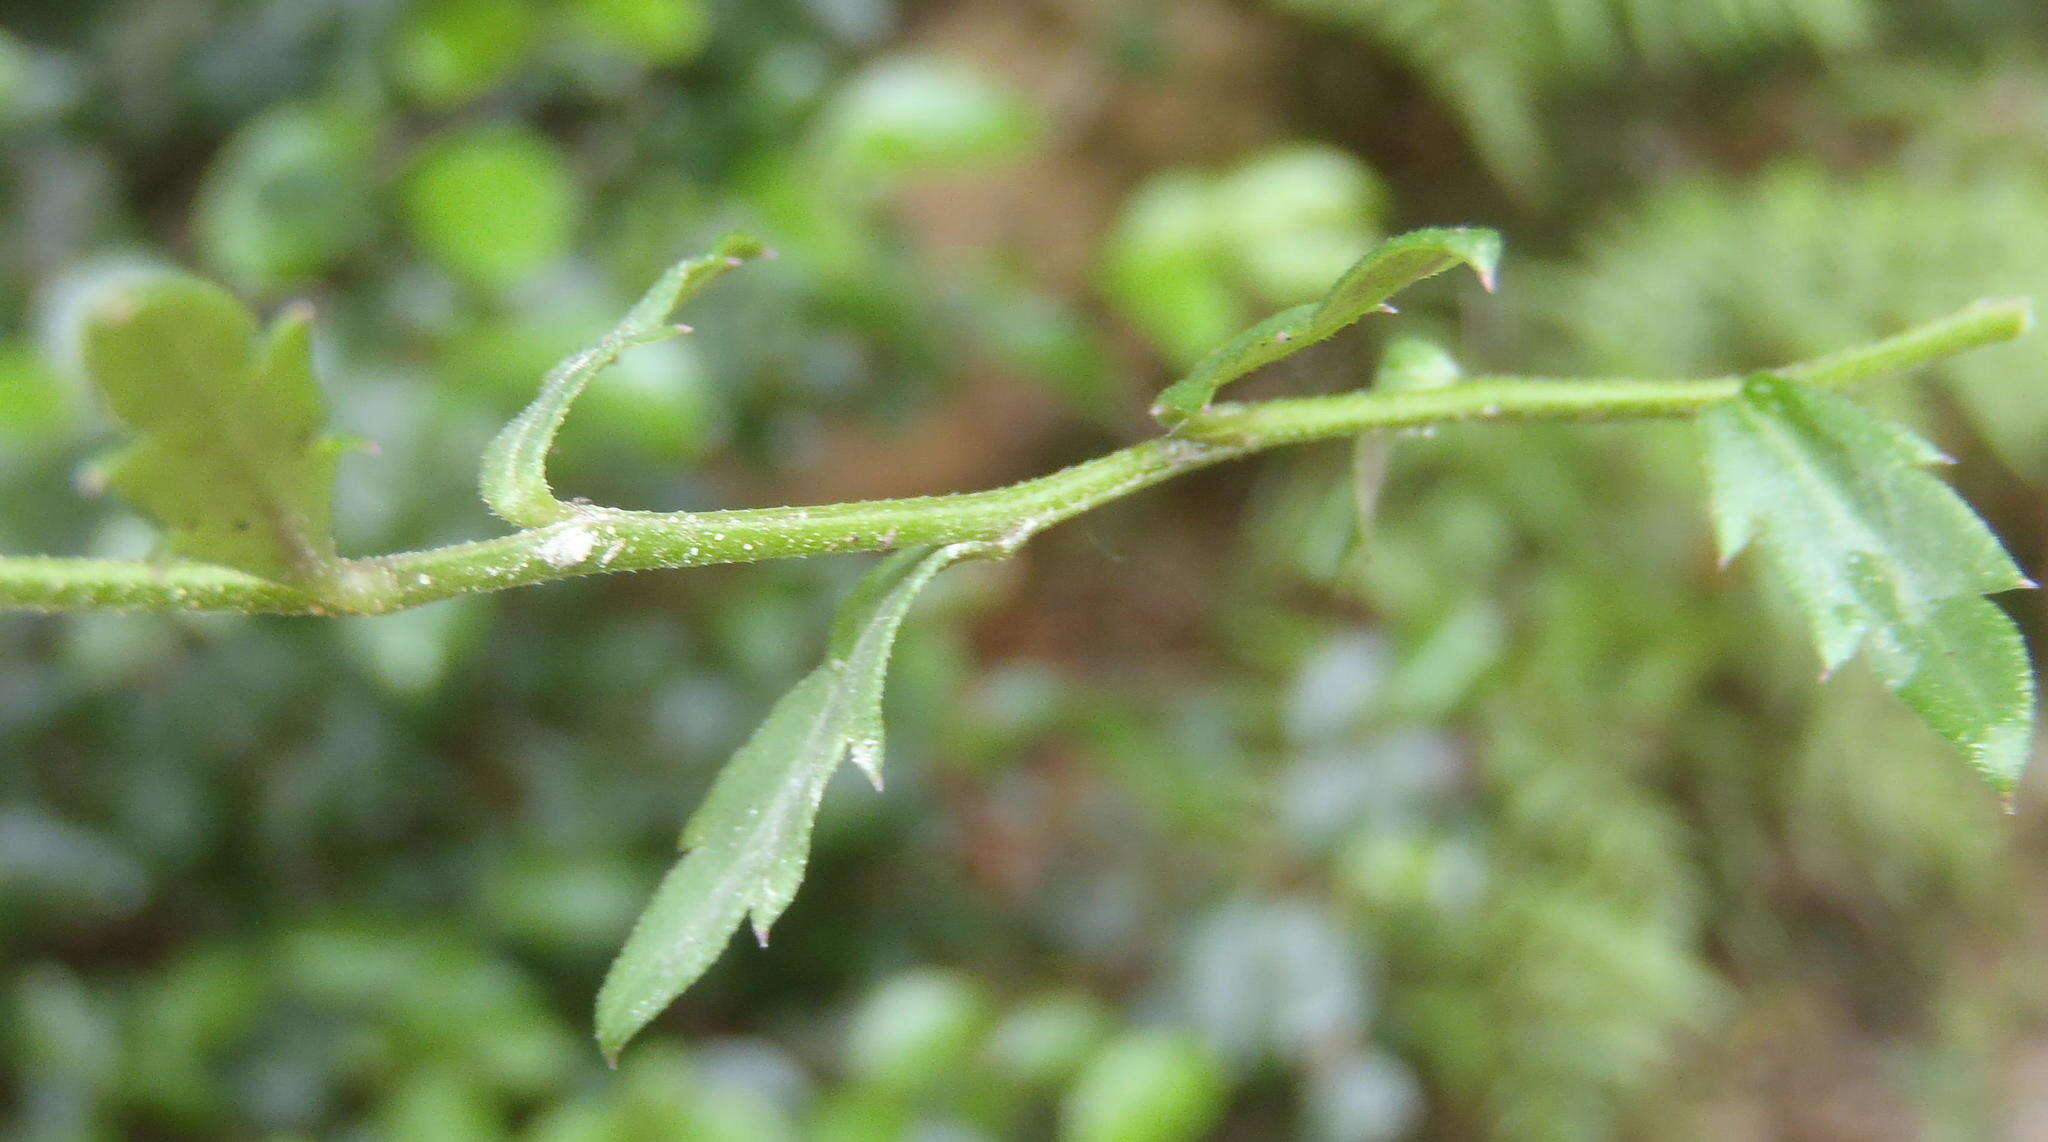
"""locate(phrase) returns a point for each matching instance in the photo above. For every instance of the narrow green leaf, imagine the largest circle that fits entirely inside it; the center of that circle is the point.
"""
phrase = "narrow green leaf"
(748, 843)
(864, 644)
(1276, 338)
(1881, 557)
(228, 457)
(1394, 266)
(514, 478)
(744, 839)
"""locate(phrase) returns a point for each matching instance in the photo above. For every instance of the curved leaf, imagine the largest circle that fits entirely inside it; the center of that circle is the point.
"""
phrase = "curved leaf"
(1394, 266)
(514, 477)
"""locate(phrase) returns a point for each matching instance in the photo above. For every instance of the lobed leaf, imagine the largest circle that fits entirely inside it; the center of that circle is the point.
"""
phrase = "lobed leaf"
(514, 476)
(1881, 557)
(1394, 266)
(228, 458)
(748, 843)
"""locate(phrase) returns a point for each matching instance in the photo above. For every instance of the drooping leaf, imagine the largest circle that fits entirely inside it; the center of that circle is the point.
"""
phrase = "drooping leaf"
(1881, 557)
(228, 458)
(1395, 265)
(746, 837)
(865, 632)
(747, 844)
(1410, 364)
(514, 478)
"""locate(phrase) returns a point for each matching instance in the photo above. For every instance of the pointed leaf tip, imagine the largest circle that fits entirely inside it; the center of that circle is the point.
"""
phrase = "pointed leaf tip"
(1483, 251)
(867, 757)
(747, 845)
(1364, 288)
(1881, 556)
(743, 246)
(2017, 311)
(513, 477)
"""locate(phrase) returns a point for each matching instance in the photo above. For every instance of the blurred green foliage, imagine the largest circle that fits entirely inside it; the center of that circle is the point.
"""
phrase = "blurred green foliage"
(1493, 63)
(1500, 815)
(1193, 258)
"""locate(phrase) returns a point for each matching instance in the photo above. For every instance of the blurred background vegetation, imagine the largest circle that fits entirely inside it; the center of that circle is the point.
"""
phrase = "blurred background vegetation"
(1210, 817)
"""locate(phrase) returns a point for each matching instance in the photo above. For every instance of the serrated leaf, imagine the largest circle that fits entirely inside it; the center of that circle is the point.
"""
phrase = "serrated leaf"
(1967, 675)
(866, 632)
(1394, 266)
(514, 477)
(229, 458)
(748, 843)
(751, 835)
(1881, 557)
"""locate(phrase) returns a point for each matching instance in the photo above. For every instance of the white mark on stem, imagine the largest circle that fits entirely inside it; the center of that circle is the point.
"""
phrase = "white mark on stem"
(567, 547)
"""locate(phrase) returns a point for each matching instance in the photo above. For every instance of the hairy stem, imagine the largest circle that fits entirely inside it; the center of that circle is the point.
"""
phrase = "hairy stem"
(593, 540)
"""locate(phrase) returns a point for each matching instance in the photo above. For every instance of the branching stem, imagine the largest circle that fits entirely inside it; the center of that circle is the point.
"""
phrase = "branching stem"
(593, 540)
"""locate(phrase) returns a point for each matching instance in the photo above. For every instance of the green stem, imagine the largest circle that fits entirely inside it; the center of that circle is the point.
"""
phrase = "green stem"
(593, 540)
(1535, 398)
